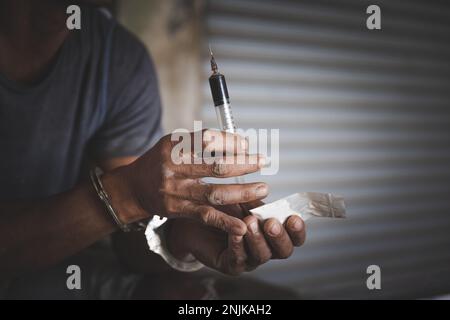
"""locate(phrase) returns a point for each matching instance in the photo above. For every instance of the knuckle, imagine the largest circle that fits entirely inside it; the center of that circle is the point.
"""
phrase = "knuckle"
(248, 220)
(246, 195)
(215, 196)
(207, 215)
(219, 169)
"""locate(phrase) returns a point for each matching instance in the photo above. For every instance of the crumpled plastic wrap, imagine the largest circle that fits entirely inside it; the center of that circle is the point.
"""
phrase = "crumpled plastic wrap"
(305, 205)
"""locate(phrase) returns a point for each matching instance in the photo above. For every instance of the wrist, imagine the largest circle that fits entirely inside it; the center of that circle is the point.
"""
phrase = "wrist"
(122, 198)
(143, 179)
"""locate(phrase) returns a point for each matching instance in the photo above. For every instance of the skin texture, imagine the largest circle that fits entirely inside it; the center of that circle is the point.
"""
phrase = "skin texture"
(233, 255)
(176, 190)
(205, 218)
(225, 250)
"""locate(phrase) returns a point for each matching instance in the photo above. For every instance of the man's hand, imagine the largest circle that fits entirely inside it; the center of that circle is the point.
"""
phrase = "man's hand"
(231, 254)
(175, 190)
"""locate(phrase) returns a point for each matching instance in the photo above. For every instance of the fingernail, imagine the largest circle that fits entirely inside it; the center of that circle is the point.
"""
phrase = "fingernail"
(275, 229)
(253, 227)
(298, 225)
(262, 190)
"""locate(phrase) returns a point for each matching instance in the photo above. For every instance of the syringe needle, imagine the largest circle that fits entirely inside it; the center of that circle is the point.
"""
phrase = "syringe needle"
(214, 67)
(210, 50)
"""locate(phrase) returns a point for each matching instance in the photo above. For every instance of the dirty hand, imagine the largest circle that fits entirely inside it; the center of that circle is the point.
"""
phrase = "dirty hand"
(231, 254)
(164, 187)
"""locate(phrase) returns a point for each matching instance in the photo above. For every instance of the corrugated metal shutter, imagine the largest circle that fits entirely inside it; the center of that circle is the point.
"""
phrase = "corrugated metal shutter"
(364, 114)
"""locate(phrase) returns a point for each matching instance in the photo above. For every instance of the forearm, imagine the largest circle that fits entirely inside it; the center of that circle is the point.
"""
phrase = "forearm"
(40, 233)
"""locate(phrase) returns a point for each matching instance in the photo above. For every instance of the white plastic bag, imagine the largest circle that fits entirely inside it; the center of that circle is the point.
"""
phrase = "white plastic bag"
(305, 205)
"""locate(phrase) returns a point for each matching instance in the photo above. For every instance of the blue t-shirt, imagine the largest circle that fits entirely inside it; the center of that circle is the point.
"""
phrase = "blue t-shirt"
(98, 100)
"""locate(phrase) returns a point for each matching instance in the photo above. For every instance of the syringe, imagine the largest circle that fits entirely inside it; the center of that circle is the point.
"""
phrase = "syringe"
(221, 99)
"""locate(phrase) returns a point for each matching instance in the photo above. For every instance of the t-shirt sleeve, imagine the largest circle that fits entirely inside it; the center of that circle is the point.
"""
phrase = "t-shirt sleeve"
(132, 122)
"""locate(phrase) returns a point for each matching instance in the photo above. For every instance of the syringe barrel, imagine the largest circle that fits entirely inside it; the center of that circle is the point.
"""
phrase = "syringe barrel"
(219, 89)
(225, 117)
(222, 106)
(221, 100)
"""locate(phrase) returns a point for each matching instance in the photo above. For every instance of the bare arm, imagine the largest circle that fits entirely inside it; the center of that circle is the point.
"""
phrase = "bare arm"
(41, 233)
(209, 245)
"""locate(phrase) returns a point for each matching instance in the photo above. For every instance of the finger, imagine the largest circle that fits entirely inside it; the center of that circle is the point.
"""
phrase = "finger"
(278, 239)
(206, 244)
(296, 229)
(209, 141)
(206, 214)
(224, 142)
(235, 257)
(218, 194)
(258, 249)
(254, 204)
(222, 167)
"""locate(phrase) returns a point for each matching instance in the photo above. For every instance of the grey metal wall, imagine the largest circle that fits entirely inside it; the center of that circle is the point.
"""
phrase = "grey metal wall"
(362, 113)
